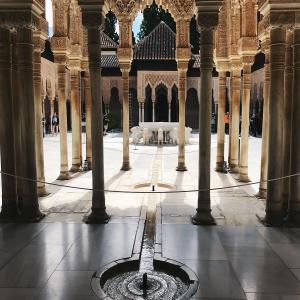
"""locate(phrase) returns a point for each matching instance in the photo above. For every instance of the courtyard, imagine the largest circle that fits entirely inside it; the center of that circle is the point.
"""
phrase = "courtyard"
(237, 259)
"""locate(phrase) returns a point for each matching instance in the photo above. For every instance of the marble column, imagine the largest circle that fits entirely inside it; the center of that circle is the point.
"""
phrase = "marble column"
(243, 166)
(9, 207)
(140, 112)
(203, 215)
(29, 197)
(98, 214)
(274, 204)
(169, 114)
(87, 93)
(76, 121)
(294, 207)
(182, 79)
(143, 112)
(287, 119)
(153, 111)
(125, 81)
(221, 122)
(38, 116)
(62, 107)
(235, 120)
(265, 128)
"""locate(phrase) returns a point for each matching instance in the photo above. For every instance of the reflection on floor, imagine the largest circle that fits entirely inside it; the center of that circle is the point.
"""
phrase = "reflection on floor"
(238, 259)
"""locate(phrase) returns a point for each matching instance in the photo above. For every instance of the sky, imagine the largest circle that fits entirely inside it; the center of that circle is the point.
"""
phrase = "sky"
(49, 16)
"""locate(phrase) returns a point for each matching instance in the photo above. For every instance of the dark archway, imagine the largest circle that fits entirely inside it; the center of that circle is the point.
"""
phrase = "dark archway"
(133, 108)
(192, 109)
(47, 114)
(114, 110)
(174, 105)
(69, 119)
(148, 105)
(161, 107)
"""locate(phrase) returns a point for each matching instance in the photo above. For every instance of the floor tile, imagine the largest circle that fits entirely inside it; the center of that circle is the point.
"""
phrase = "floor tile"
(191, 242)
(216, 280)
(264, 275)
(17, 293)
(289, 253)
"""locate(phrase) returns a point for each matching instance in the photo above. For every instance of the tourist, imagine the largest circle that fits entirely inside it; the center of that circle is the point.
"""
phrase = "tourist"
(105, 124)
(55, 123)
(226, 121)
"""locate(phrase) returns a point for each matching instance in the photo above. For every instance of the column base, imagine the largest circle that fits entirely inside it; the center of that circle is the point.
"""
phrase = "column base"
(203, 218)
(125, 166)
(233, 169)
(97, 216)
(42, 192)
(276, 219)
(262, 194)
(294, 218)
(9, 212)
(64, 176)
(181, 167)
(244, 178)
(31, 215)
(75, 168)
(220, 167)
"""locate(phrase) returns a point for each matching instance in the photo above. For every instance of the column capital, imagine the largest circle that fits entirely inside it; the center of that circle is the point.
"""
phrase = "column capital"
(208, 20)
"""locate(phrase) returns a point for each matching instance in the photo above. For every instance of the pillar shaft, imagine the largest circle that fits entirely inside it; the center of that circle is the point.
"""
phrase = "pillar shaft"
(62, 108)
(153, 110)
(125, 81)
(235, 120)
(143, 112)
(203, 215)
(287, 119)
(38, 118)
(98, 214)
(76, 121)
(274, 211)
(7, 146)
(140, 112)
(169, 114)
(221, 122)
(24, 47)
(182, 79)
(294, 210)
(87, 93)
(243, 167)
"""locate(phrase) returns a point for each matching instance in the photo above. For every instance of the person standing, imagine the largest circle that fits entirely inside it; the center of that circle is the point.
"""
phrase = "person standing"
(55, 123)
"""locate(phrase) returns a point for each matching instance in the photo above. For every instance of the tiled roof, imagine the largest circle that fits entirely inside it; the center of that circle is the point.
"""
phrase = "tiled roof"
(196, 58)
(107, 42)
(160, 44)
(109, 61)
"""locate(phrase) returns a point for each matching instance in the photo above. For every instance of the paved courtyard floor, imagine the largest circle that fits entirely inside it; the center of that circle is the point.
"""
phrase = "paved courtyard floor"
(237, 259)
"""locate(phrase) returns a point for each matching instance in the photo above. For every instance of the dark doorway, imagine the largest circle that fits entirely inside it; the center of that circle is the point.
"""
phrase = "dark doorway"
(174, 105)
(192, 109)
(148, 105)
(133, 108)
(47, 113)
(162, 107)
(114, 110)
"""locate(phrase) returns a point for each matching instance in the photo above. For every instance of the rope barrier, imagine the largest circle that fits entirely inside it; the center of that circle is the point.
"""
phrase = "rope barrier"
(148, 192)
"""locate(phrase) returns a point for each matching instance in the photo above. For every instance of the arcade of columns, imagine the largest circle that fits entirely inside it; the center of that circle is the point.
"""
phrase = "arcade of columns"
(230, 26)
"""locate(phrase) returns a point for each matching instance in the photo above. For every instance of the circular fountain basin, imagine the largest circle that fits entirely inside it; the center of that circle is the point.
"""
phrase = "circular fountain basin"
(122, 280)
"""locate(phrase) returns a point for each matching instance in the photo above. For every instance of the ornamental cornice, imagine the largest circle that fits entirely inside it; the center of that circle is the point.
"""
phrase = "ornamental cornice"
(16, 19)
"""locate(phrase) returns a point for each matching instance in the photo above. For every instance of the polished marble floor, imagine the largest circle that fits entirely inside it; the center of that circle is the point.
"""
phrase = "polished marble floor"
(237, 259)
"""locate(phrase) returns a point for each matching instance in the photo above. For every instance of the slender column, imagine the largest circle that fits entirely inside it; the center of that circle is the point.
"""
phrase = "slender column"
(182, 76)
(87, 93)
(274, 211)
(221, 122)
(169, 115)
(98, 214)
(143, 112)
(38, 117)
(8, 164)
(140, 112)
(203, 215)
(243, 168)
(265, 130)
(76, 121)
(294, 209)
(125, 80)
(287, 119)
(235, 120)
(153, 111)
(24, 47)
(62, 107)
